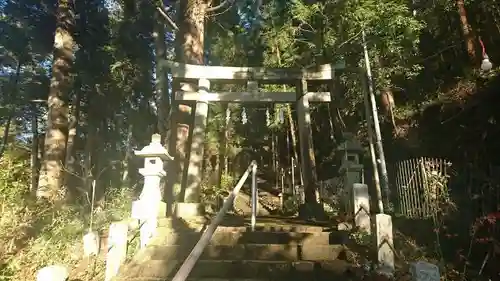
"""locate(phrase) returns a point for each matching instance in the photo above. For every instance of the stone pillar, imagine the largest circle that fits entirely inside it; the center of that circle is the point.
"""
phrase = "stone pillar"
(150, 206)
(192, 205)
(53, 273)
(385, 244)
(361, 201)
(179, 137)
(308, 161)
(117, 249)
(91, 243)
(424, 271)
(352, 175)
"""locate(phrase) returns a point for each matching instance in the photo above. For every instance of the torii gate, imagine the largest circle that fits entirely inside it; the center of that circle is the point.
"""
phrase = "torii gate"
(203, 76)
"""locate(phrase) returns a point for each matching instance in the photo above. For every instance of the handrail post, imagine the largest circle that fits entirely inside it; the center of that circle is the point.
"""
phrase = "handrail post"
(293, 177)
(282, 197)
(254, 195)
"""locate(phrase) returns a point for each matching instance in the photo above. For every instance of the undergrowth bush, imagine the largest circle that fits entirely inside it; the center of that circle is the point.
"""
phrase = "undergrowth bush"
(36, 234)
(213, 194)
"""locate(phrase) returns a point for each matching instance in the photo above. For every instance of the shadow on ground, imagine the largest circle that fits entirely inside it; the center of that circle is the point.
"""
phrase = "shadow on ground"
(279, 249)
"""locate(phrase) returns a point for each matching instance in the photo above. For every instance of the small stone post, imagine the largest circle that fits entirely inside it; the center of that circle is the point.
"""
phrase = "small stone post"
(361, 207)
(91, 243)
(150, 206)
(117, 249)
(52, 273)
(385, 244)
(424, 271)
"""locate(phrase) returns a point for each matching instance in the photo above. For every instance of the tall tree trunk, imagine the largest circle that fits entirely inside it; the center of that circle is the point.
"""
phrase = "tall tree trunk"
(5, 137)
(70, 160)
(387, 98)
(52, 174)
(227, 136)
(467, 31)
(192, 31)
(87, 163)
(127, 171)
(35, 161)
(388, 106)
(161, 76)
(12, 95)
(207, 167)
(222, 157)
(274, 159)
(294, 140)
(291, 124)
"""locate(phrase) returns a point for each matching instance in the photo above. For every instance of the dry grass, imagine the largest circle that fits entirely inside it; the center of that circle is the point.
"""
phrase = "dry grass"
(35, 234)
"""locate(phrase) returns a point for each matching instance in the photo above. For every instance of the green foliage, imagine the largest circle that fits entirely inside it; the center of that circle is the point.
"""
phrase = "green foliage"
(216, 191)
(14, 174)
(291, 205)
(213, 195)
(36, 234)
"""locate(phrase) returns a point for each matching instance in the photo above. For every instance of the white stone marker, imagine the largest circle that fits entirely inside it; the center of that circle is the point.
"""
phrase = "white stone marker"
(424, 271)
(53, 273)
(117, 249)
(91, 243)
(385, 244)
(361, 200)
(150, 206)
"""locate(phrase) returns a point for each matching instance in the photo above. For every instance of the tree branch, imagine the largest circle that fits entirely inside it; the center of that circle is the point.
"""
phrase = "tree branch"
(220, 6)
(169, 20)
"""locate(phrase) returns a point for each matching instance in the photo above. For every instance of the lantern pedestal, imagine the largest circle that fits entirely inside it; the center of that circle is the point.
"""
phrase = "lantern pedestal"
(189, 210)
(149, 208)
(140, 210)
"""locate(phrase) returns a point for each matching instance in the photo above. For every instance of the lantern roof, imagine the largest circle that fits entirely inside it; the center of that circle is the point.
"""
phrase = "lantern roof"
(154, 149)
(350, 143)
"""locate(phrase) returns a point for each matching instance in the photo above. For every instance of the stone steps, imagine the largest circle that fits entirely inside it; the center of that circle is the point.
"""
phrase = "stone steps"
(207, 279)
(264, 252)
(222, 279)
(246, 269)
(281, 249)
(232, 224)
(230, 238)
(262, 228)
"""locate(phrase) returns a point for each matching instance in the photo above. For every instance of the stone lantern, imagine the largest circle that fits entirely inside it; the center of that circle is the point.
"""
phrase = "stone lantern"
(150, 206)
(351, 151)
(351, 167)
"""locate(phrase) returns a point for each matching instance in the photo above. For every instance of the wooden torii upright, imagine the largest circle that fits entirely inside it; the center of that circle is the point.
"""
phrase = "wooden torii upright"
(203, 76)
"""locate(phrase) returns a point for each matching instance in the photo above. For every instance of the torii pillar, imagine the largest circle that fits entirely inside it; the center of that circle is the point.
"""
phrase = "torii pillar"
(308, 160)
(191, 205)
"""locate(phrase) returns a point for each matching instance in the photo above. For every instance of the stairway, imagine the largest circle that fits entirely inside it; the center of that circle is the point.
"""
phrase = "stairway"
(279, 249)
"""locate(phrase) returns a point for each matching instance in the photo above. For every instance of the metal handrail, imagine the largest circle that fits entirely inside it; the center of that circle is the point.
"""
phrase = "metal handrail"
(254, 195)
(205, 238)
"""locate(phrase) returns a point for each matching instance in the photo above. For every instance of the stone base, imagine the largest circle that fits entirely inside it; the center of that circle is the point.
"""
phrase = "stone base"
(314, 211)
(344, 229)
(53, 272)
(189, 210)
(91, 243)
(140, 209)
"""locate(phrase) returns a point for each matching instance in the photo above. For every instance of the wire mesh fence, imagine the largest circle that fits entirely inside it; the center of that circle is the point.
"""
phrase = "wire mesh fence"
(421, 186)
(434, 187)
